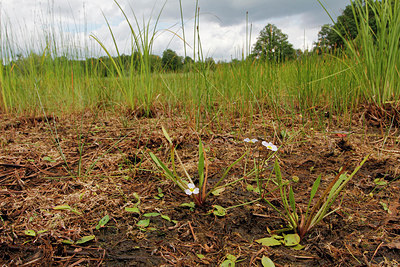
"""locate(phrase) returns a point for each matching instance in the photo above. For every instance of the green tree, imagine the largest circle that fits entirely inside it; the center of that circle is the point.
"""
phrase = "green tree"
(188, 60)
(171, 61)
(272, 44)
(330, 36)
(210, 63)
(324, 42)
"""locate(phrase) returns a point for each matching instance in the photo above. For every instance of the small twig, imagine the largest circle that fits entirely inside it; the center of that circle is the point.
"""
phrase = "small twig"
(376, 251)
(102, 258)
(359, 262)
(12, 165)
(254, 257)
(191, 229)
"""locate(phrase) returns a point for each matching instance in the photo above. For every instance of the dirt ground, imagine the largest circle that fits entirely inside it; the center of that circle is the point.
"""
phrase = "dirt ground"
(105, 169)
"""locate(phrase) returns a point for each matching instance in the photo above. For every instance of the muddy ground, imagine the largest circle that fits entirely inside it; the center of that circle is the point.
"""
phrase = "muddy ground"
(98, 164)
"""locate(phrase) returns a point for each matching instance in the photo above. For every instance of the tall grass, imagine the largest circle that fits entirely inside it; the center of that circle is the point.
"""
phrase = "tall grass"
(376, 55)
(136, 88)
(51, 64)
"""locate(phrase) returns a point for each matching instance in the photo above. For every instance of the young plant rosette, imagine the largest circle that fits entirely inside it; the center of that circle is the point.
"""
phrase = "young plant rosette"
(301, 222)
(200, 193)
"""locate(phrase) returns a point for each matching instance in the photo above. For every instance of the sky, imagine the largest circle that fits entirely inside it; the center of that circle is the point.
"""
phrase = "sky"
(222, 24)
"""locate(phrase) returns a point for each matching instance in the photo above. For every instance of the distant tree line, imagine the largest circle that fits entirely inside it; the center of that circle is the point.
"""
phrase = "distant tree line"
(104, 66)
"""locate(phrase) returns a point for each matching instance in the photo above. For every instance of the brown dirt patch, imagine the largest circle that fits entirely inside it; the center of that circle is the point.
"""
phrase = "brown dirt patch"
(107, 166)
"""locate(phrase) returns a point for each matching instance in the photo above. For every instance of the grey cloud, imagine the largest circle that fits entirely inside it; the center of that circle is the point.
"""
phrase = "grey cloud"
(232, 12)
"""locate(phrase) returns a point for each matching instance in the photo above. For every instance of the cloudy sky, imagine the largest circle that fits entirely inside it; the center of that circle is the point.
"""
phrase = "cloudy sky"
(222, 23)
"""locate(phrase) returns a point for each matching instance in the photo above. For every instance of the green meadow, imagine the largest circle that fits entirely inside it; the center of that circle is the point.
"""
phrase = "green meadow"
(365, 72)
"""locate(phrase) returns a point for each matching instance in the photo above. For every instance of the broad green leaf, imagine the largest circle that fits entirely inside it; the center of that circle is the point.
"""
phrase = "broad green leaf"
(160, 194)
(380, 181)
(30, 232)
(251, 188)
(189, 205)
(166, 217)
(231, 257)
(67, 242)
(291, 240)
(62, 207)
(166, 134)
(278, 173)
(315, 187)
(227, 263)
(75, 211)
(219, 211)
(218, 191)
(269, 242)
(277, 237)
(160, 164)
(291, 199)
(85, 239)
(201, 164)
(151, 214)
(336, 188)
(298, 247)
(385, 207)
(267, 262)
(137, 197)
(143, 223)
(66, 207)
(103, 222)
(133, 209)
(201, 256)
(49, 159)
(314, 190)
(41, 231)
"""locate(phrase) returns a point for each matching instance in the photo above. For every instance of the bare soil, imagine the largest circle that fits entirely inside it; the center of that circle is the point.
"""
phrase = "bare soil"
(107, 168)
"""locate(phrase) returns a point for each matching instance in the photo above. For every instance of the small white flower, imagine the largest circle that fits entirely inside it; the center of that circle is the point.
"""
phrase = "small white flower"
(192, 189)
(270, 146)
(250, 140)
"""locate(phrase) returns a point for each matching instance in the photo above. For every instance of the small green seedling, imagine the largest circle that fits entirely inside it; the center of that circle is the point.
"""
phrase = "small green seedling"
(160, 194)
(102, 222)
(230, 261)
(82, 240)
(67, 207)
(219, 211)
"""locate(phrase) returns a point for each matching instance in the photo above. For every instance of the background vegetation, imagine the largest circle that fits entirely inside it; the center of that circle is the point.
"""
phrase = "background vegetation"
(355, 63)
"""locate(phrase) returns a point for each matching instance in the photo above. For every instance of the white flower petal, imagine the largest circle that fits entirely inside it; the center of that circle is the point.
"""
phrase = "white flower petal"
(191, 186)
(196, 191)
(269, 145)
(188, 192)
(248, 140)
(265, 143)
